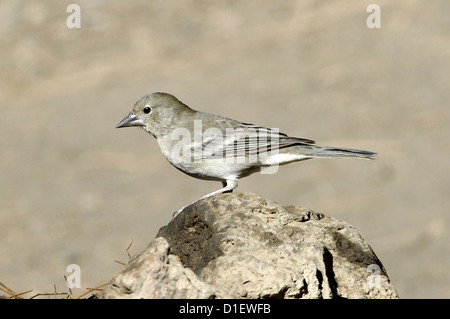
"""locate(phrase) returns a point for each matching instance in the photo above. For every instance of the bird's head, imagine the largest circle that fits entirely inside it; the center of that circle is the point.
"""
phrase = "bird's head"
(156, 113)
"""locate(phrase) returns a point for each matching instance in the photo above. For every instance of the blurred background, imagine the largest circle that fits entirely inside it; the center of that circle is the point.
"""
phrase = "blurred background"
(74, 190)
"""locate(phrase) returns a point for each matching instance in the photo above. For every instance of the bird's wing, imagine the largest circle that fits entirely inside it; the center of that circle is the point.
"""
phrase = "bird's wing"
(245, 140)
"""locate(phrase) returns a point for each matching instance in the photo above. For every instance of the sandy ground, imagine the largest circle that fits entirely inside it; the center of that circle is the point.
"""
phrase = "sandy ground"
(74, 190)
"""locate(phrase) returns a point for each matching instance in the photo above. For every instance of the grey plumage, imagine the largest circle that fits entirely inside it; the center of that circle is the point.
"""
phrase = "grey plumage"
(213, 147)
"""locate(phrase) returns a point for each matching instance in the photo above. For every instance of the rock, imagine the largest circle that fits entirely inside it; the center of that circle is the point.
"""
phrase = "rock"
(243, 246)
(157, 274)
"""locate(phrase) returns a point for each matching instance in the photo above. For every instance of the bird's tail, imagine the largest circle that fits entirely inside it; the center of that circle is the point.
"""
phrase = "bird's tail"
(338, 152)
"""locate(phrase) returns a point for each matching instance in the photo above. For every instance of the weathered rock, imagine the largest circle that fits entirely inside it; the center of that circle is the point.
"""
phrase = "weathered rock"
(243, 246)
(157, 274)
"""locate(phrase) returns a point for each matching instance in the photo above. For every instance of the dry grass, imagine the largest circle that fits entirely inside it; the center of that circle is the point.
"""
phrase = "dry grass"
(96, 291)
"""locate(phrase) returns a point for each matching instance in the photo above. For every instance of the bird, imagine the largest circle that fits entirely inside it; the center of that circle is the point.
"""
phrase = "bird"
(213, 147)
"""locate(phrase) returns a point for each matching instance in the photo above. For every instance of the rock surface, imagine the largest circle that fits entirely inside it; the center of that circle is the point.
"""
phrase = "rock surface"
(243, 246)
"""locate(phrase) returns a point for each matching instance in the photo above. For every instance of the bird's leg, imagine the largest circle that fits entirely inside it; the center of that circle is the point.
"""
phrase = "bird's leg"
(224, 184)
(228, 187)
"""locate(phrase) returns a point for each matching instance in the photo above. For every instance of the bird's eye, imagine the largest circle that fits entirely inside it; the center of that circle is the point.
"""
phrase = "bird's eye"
(147, 110)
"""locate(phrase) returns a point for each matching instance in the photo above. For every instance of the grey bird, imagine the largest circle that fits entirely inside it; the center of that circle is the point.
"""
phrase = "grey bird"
(213, 147)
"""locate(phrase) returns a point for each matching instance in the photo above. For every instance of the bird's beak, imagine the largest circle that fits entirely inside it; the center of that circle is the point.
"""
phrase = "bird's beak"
(130, 120)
